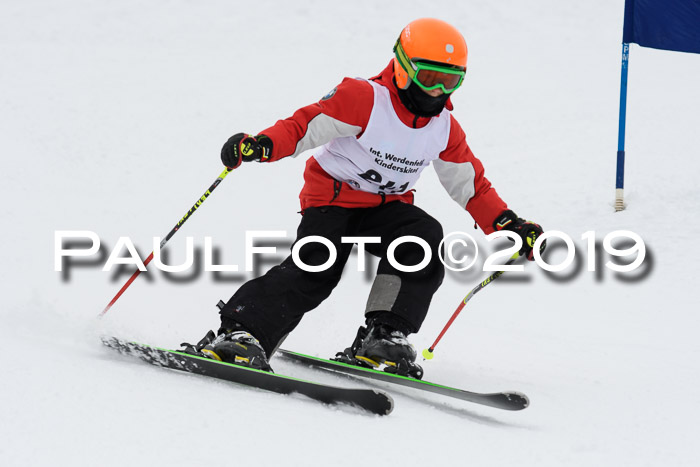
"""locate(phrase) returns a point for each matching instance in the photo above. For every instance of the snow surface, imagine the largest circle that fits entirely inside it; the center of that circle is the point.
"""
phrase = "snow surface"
(112, 116)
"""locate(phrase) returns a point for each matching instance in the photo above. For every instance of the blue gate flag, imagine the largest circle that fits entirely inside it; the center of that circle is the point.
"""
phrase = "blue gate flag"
(663, 24)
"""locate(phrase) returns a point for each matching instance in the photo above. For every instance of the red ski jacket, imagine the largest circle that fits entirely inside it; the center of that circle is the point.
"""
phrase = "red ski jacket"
(345, 111)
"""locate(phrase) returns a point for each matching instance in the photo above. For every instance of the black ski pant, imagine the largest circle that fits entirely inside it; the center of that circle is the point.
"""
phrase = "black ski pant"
(271, 306)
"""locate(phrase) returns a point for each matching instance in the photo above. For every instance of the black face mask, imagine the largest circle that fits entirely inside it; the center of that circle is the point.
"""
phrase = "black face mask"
(420, 103)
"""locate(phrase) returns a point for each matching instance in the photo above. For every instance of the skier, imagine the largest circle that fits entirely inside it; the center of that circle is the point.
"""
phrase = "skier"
(376, 137)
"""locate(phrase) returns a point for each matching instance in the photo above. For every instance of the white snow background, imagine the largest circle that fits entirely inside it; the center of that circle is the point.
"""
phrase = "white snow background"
(112, 116)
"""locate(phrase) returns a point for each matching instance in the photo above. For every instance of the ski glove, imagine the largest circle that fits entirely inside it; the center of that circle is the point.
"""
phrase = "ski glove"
(528, 231)
(242, 147)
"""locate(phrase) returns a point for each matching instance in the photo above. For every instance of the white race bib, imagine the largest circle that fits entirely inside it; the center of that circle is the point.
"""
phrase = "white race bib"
(389, 156)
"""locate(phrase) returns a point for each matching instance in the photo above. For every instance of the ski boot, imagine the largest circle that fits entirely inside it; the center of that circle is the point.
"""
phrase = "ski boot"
(237, 346)
(381, 347)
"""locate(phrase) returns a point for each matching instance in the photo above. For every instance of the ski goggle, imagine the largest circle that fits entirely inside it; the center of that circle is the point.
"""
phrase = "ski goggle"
(430, 75)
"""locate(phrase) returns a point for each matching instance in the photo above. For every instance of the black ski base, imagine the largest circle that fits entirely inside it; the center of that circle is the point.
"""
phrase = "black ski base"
(371, 400)
(508, 400)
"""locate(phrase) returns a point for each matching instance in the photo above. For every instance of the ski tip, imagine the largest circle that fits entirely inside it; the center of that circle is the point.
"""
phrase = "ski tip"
(389, 400)
(109, 341)
(516, 400)
(374, 401)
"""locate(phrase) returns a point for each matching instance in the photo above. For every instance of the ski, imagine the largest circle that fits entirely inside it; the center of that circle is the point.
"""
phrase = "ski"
(509, 400)
(370, 400)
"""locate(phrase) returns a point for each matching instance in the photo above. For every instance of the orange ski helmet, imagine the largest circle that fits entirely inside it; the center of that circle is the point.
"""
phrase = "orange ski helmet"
(428, 40)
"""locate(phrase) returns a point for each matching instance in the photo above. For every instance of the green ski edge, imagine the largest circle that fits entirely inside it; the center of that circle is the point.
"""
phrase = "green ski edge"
(380, 403)
(507, 400)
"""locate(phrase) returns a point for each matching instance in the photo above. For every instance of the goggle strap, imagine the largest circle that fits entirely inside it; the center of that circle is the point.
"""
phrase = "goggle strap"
(405, 62)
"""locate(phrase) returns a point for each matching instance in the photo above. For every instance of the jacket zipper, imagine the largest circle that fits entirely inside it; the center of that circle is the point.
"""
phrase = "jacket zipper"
(336, 189)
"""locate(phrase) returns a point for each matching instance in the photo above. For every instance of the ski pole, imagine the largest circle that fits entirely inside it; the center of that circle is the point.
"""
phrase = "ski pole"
(187, 215)
(428, 353)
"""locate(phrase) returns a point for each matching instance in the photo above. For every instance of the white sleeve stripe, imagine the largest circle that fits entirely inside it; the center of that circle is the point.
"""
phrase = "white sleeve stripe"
(457, 178)
(322, 129)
